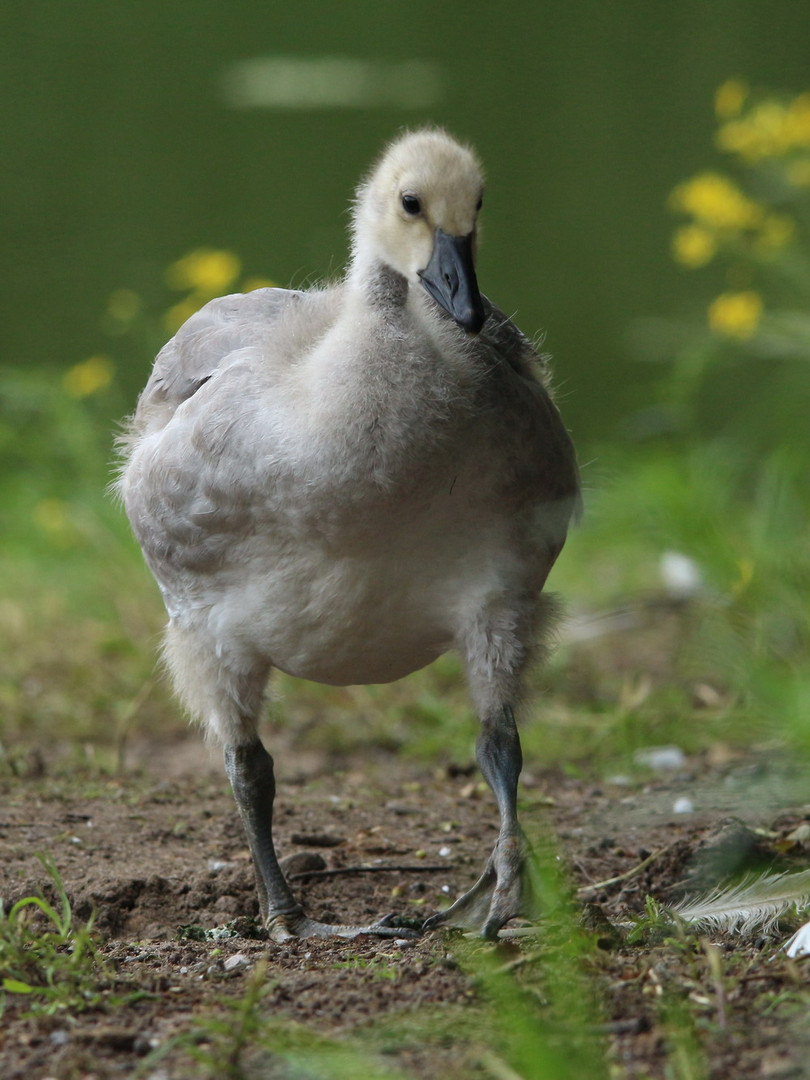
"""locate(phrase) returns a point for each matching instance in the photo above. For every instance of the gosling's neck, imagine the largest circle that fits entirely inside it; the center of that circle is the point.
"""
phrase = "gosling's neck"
(381, 286)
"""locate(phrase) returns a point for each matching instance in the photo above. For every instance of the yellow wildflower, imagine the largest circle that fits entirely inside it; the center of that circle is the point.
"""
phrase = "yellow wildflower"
(770, 130)
(777, 231)
(798, 172)
(736, 314)
(760, 134)
(693, 246)
(52, 517)
(745, 568)
(714, 201)
(88, 377)
(205, 270)
(797, 122)
(123, 305)
(730, 98)
(739, 137)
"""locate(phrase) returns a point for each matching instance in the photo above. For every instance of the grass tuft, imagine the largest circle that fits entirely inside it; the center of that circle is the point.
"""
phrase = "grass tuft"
(54, 967)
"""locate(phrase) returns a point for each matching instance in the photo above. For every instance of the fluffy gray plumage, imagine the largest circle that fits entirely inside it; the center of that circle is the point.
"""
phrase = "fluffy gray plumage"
(343, 483)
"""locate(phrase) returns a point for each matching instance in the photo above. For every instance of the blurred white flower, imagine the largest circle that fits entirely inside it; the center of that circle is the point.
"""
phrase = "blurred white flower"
(681, 575)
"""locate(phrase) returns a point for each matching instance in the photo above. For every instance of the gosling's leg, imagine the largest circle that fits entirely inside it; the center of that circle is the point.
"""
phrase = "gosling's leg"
(250, 771)
(502, 891)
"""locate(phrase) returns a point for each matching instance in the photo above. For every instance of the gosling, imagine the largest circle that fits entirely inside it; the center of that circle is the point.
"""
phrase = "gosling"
(344, 483)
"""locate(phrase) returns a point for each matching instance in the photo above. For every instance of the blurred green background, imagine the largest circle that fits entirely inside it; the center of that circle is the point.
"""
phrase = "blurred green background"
(138, 132)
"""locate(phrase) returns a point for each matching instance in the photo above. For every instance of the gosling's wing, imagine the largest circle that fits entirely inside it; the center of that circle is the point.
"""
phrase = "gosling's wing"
(188, 477)
(206, 344)
(541, 474)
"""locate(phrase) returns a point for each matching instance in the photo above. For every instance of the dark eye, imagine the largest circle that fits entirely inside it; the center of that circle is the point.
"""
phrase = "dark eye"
(411, 205)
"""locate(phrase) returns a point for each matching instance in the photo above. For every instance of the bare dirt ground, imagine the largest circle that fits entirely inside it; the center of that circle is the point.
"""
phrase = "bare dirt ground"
(163, 849)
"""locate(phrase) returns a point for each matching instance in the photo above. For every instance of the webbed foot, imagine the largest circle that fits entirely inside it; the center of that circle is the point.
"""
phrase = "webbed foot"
(503, 892)
(283, 927)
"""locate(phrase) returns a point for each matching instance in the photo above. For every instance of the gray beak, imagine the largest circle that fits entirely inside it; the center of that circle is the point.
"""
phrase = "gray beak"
(450, 279)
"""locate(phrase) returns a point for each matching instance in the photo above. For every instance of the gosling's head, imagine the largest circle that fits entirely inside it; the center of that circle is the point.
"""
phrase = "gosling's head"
(417, 212)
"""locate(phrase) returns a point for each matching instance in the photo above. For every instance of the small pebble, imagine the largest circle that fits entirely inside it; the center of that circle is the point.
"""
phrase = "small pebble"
(660, 758)
(619, 780)
(236, 962)
(145, 1042)
(401, 808)
(445, 851)
(680, 575)
(302, 862)
(683, 805)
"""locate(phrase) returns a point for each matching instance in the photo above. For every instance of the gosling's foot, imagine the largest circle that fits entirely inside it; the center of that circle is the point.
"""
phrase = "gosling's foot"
(298, 925)
(503, 892)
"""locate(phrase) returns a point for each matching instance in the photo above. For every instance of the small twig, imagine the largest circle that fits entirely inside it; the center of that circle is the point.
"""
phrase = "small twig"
(509, 932)
(421, 868)
(627, 874)
(715, 965)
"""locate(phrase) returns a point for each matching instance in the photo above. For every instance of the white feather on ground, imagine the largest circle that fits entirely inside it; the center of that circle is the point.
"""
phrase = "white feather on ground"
(753, 904)
(799, 944)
